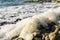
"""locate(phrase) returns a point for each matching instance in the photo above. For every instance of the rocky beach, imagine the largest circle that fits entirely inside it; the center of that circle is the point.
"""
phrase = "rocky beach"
(10, 16)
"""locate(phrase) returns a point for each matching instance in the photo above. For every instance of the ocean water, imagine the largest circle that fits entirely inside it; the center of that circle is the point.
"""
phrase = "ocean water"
(10, 2)
(6, 3)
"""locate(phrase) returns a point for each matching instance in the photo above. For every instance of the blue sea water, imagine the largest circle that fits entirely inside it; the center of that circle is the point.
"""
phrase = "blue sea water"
(10, 2)
(5, 3)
